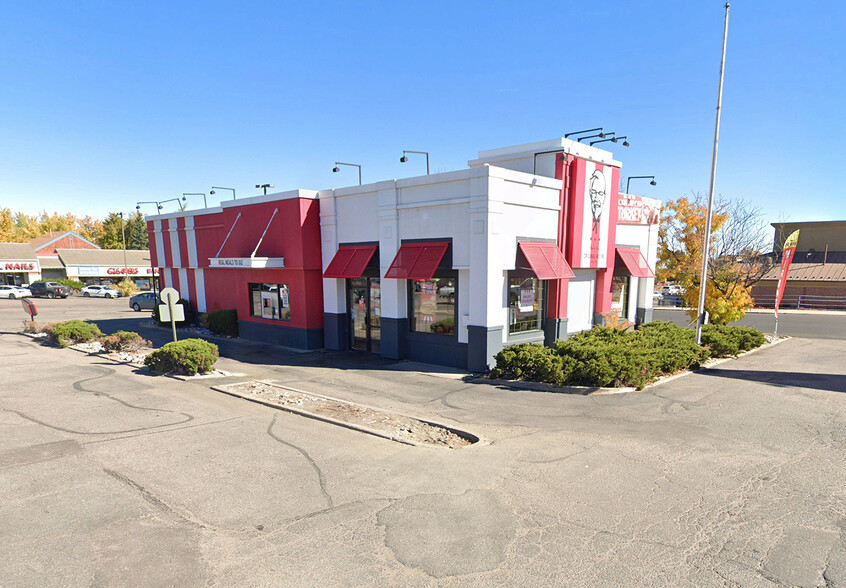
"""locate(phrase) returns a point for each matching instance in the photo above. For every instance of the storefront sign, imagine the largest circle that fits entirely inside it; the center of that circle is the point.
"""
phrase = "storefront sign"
(246, 262)
(20, 266)
(637, 210)
(593, 220)
(102, 271)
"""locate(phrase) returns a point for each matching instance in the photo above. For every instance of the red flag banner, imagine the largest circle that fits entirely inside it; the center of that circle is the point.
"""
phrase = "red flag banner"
(786, 257)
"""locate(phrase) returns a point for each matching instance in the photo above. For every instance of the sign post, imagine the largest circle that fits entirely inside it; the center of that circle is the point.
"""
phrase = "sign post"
(169, 310)
(788, 250)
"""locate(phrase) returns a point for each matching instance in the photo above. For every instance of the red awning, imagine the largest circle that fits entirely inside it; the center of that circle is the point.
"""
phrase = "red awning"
(546, 260)
(635, 262)
(417, 261)
(350, 261)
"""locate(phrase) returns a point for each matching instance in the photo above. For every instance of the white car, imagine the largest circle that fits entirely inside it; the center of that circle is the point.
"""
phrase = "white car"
(101, 291)
(14, 292)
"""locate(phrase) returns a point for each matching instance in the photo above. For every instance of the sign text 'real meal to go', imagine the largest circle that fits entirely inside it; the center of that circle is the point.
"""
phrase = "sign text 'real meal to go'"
(247, 262)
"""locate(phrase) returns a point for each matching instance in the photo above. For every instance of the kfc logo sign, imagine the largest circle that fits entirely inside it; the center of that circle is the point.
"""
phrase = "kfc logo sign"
(25, 266)
(122, 271)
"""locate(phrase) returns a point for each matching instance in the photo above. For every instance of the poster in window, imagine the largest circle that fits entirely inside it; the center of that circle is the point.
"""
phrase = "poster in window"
(269, 305)
(527, 299)
(284, 294)
(428, 301)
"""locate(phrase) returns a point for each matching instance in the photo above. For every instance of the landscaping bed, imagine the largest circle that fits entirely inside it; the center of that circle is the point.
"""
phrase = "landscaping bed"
(354, 416)
(609, 358)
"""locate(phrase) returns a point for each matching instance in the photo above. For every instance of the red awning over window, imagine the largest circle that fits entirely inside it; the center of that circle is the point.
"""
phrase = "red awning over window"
(417, 261)
(546, 260)
(350, 261)
(635, 262)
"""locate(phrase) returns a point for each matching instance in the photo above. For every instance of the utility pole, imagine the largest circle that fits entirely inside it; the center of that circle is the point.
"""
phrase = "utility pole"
(123, 239)
(706, 249)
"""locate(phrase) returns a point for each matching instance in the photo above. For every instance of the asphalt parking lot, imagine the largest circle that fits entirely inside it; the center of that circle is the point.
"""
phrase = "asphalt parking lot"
(730, 476)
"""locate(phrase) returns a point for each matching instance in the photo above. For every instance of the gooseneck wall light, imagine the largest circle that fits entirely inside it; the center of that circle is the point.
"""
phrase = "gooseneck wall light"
(404, 157)
(138, 204)
(628, 181)
(222, 188)
(203, 194)
(336, 169)
(601, 134)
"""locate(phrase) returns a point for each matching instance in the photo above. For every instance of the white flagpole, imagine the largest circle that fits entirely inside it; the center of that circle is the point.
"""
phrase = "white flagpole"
(700, 317)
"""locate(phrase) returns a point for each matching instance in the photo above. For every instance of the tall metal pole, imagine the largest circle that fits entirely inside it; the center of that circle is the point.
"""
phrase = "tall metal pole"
(706, 249)
(123, 238)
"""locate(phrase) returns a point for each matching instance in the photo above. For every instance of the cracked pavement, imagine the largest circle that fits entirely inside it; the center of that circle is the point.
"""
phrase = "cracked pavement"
(729, 477)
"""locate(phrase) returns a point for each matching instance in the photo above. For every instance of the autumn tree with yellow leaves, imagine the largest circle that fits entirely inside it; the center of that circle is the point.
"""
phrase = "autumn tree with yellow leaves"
(738, 254)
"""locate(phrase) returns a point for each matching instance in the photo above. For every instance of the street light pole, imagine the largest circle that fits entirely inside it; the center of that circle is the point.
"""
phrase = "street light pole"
(706, 249)
(123, 239)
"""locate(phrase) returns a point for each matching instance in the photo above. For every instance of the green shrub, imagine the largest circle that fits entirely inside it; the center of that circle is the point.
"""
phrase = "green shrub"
(189, 357)
(446, 325)
(74, 331)
(726, 341)
(186, 307)
(532, 362)
(606, 356)
(124, 341)
(223, 322)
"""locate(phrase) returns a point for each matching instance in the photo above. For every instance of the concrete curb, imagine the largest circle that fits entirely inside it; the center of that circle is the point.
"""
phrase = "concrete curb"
(352, 426)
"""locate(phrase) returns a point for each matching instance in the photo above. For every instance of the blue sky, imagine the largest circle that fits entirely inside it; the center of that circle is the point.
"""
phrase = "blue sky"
(107, 103)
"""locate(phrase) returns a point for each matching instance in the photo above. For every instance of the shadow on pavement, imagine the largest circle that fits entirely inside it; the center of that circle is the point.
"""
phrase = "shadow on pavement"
(828, 382)
(256, 353)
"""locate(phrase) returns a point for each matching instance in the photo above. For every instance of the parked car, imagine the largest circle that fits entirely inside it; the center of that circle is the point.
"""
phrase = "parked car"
(145, 300)
(49, 290)
(14, 292)
(101, 292)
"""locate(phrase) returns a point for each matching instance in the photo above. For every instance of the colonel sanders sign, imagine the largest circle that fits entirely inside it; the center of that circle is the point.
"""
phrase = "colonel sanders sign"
(597, 196)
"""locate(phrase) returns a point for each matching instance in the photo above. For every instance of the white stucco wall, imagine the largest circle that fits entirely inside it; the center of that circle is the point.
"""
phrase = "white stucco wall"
(482, 210)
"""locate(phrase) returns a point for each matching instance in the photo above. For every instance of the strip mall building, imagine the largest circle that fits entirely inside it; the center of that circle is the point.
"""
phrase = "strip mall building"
(530, 243)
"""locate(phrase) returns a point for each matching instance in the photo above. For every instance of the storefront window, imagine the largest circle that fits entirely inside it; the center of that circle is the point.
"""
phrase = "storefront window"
(270, 301)
(525, 303)
(433, 305)
(619, 290)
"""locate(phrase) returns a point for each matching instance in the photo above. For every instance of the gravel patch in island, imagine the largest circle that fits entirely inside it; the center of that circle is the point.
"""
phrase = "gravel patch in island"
(389, 425)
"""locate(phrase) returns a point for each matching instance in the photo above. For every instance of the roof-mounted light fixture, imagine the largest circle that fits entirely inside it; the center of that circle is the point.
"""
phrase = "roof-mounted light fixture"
(404, 158)
(336, 169)
(628, 181)
(601, 134)
(264, 187)
(222, 188)
(203, 194)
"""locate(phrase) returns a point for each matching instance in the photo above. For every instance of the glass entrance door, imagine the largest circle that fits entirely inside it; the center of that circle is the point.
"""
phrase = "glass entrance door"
(364, 306)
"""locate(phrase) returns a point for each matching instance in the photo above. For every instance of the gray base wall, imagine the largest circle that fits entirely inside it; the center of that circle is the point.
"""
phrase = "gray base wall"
(394, 331)
(336, 331)
(398, 342)
(643, 315)
(553, 330)
(483, 343)
(281, 335)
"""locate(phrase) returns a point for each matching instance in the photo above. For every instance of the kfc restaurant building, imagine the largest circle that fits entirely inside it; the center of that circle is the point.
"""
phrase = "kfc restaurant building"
(445, 268)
